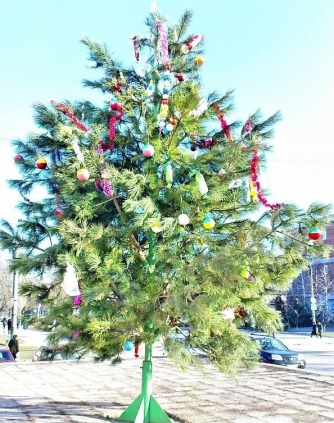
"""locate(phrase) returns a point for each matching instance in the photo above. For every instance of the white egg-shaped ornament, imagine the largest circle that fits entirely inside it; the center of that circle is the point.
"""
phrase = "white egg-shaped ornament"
(83, 175)
(156, 227)
(183, 219)
(148, 150)
(208, 223)
(202, 186)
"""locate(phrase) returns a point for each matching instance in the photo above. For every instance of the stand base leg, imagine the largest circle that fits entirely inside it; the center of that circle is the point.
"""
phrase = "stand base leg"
(135, 412)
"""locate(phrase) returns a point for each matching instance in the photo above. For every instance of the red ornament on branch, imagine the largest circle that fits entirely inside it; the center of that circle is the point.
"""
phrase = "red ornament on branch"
(314, 234)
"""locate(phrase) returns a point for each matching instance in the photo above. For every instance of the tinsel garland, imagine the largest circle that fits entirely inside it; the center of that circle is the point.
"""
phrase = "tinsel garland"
(63, 108)
(135, 47)
(225, 127)
(255, 179)
(115, 117)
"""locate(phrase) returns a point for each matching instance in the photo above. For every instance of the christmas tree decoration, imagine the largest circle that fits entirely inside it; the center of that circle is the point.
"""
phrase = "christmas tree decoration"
(41, 163)
(128, 346)
(183, 219)
(200, 109)
(180, 77)
(135, 43)
(168, 174)
(228, 314)
(148, 150)
(18, 157)
(150, 90)
(70, 282)
(156, 227)
(208, 223)
(163, 43)
(92, 63)
(77, 300)
(252, 191)
(314, 233)
(69, 113)
(199, 61)
(202, 186)
(83, 175)
(191, 43)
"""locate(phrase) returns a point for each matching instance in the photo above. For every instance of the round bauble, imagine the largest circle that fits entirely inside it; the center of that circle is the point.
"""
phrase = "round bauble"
(41, 163)
(199, 61)
(83, 175)
(128, 346)
(148, 150)
(314, 233)
(183, 219)
(156, 227)
(208, 223)
(18, 158)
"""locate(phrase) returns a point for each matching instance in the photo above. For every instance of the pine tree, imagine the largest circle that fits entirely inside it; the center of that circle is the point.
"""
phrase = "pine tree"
(154, 199)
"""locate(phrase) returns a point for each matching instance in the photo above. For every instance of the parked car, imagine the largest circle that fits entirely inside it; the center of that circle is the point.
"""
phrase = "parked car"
(273, 351)
(5, 355)
(52, 353)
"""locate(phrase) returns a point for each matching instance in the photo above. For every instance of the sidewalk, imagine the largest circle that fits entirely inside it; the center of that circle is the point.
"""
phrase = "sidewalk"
(63, 392)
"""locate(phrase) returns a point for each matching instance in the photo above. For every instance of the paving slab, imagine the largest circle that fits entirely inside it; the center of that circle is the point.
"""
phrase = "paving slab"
(88, 392)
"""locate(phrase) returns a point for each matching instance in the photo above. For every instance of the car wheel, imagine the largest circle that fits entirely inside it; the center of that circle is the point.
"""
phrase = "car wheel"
(302, 365)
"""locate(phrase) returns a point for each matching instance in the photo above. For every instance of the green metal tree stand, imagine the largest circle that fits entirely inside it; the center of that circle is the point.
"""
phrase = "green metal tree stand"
(145, 408)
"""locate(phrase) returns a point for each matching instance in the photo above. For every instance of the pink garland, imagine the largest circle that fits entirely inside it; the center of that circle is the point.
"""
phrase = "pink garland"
(255, 179)
(63, 108)
(163, 42)
(225, 127)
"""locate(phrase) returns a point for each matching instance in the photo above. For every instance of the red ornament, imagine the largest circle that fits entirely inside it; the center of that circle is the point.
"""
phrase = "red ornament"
(18, 157)
(41, 163)
(314, 233)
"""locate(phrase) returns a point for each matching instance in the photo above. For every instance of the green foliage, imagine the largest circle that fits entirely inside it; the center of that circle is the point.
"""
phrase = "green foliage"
(137, 284)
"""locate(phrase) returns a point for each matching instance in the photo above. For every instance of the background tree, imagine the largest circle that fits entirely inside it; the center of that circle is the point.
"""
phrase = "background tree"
(153, 200)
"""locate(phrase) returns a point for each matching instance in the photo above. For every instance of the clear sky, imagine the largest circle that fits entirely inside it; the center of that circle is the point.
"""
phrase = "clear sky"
(275, 54)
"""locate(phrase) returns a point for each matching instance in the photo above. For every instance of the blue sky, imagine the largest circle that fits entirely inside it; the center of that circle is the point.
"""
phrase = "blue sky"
(275, 54)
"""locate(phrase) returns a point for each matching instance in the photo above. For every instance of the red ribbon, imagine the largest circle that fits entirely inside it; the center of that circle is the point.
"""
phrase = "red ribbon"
(63, 108)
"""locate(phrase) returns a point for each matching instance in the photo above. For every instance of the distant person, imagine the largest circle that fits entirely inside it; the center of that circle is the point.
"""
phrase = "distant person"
(319, 327)
(13, 345)
(314, 330)
(4, 324)
(9, 325)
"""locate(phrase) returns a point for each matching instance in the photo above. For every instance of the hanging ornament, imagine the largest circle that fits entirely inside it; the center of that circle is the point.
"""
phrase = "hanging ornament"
(137, 350)
(200, 109)
(156, 227)
(228, 314)
(208, 223)
(128, 346)
(183, 219)
(70, 281)
(163, 43)
(148, 150)
(180, 77)
(253, 191)
(83, 175)
(203, 188)
(150, 90)
(177, 114)
(191, 43)
(77, 300)
(168, 174)
(41, 163)
(314, 234)
(135, 47)
(18, 158)
(92, 63)
(199, 61)
(76, 149)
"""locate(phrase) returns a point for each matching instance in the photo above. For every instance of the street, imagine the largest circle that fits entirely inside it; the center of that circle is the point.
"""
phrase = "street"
(318, 352)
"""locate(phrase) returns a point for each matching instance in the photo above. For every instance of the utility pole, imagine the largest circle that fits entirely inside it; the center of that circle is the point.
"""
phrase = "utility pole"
(313, 300)
(15, 298)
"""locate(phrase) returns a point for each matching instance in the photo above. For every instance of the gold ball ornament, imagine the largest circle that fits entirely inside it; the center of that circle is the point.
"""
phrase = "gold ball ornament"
(156, 227)
(199, 61)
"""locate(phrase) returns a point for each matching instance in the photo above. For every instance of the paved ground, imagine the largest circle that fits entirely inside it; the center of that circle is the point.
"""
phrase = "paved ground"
(82, 392)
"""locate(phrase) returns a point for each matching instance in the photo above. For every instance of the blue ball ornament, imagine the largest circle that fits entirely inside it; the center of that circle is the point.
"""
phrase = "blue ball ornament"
(128, 346)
